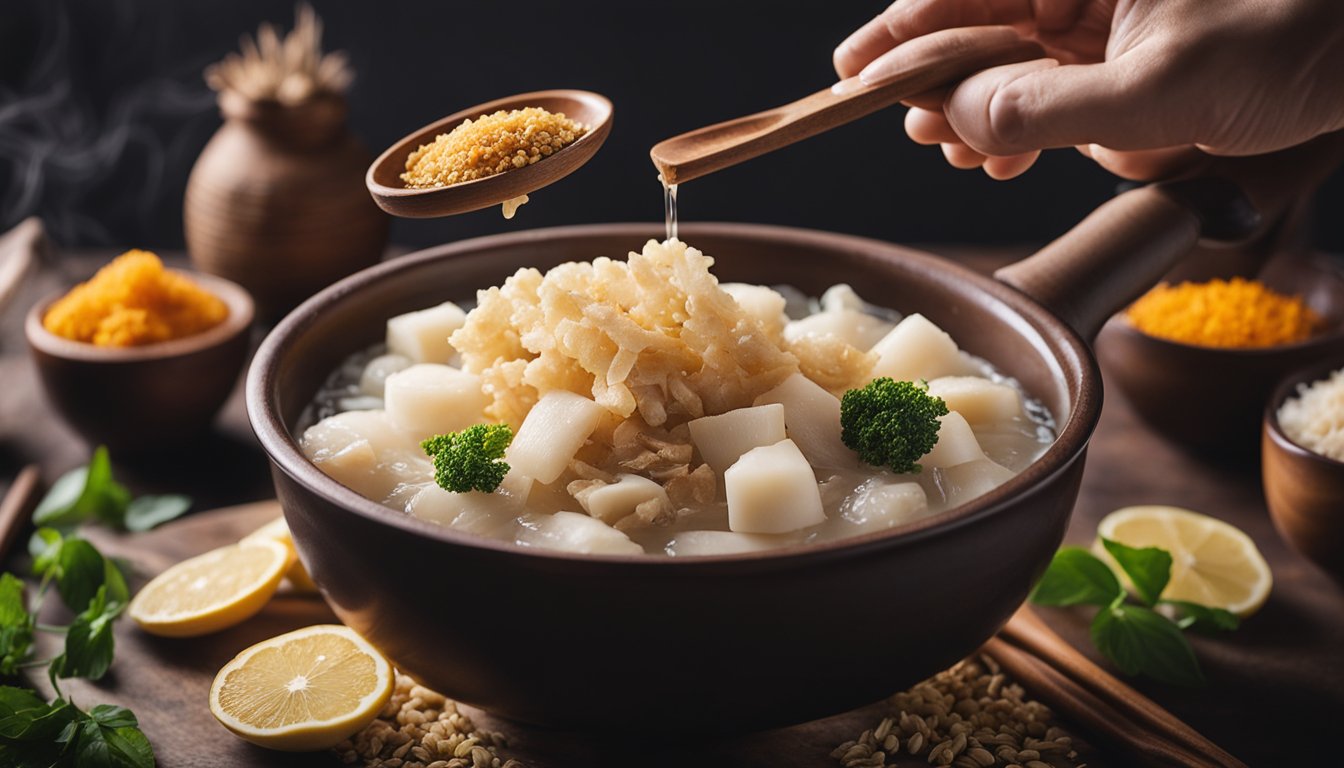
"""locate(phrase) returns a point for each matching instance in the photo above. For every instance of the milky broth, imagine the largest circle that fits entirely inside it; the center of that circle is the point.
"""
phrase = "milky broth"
(856, 499)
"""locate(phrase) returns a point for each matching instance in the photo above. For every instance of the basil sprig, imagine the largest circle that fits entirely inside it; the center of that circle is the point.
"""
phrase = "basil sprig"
(90, 494)
(1136, 638)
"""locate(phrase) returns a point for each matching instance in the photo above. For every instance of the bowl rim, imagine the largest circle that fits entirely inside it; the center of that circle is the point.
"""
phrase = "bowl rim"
(242, 310)
(1288, 387)
(1071, 439)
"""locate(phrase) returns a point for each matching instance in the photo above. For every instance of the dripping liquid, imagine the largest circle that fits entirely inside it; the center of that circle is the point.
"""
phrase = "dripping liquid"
(670, 209)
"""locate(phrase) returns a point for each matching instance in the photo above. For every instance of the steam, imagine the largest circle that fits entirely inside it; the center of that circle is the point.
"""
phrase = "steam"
(94, 177)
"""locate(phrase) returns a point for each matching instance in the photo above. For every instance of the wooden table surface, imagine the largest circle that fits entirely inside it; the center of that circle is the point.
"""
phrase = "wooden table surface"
(1276, 686)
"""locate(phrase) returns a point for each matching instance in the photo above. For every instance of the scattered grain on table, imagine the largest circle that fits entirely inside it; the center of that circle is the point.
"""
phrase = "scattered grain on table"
(419, 728)
(970, 716)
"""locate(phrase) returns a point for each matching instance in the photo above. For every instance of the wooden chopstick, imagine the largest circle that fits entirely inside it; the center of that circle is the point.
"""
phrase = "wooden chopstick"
(18, 502)
(1028, 631)
(1079, 705)
(1064, 678)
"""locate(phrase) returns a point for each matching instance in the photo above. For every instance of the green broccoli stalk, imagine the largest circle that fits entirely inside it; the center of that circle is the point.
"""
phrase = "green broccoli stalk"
(470, 460)
(891, 423)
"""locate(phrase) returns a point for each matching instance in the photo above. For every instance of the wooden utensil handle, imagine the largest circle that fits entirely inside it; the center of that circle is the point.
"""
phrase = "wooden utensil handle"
(935, 60)
(1125, 246)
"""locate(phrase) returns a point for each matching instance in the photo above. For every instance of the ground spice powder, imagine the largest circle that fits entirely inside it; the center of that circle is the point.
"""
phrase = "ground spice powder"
(489, 145)
(1223, 313)
(134, 301)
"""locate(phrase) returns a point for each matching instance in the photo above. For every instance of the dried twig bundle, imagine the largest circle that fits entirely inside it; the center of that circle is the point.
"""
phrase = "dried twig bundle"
(289, 70)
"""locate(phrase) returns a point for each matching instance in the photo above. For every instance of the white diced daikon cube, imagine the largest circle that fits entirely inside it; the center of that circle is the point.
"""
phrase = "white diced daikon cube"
(485, 514)
(812, 421)
(964, 482)
(693, 543)
(956, 443)
(374, 377)
(979, 400)
(722, 439)
(430, 399)
(764, 305)
(610, 503)
(575, 532)
(841, 297)
(852, 327)
(772, 490)
(878, 504)
(552, 433)
(917, 349)
(423, 336)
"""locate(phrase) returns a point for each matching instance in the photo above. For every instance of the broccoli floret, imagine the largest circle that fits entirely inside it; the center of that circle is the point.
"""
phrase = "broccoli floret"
(470, 460)
(891, 423)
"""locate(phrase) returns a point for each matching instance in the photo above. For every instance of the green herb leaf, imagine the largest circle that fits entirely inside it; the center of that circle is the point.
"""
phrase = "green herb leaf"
(85, 494)
(146, 512)
(45, 548)
(18, 708)
(117, 591)
(1139, 641)
(89, 642)
(110, 736)
(16, 625)
(1076, 577)
(1202, 618)
(81, 573)
(1148, 568)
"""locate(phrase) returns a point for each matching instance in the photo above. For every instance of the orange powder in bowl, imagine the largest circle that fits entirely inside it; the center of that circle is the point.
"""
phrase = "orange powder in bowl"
(134, 301)
(1232, 313)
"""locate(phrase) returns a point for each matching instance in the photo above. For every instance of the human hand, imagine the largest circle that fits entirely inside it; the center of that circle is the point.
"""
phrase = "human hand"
(1144, 87)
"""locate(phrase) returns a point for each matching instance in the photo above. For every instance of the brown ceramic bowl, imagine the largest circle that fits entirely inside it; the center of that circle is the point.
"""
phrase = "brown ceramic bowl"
(1303, 489)
(1211, 400)
(147, 399)
(653, 644)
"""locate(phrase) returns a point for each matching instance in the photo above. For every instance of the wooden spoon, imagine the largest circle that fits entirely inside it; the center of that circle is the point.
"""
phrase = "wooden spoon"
(939, 59)
(392, 195)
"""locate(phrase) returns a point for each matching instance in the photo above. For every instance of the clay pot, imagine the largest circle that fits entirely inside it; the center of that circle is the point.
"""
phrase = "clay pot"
(276, 201)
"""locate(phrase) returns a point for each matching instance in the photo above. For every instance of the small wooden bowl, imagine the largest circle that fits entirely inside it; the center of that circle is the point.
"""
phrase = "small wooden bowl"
(392, 195)
(1209, 399)
(138, 400)
(1303, 489)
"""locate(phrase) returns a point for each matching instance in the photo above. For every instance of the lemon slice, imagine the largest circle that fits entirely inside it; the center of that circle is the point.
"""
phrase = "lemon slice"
(302, 691)
(1212, 563)
(212, 591)
(278, 530)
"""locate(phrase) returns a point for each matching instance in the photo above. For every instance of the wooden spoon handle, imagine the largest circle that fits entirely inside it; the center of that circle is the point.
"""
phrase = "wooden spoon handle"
(935, 60)
(18, 502)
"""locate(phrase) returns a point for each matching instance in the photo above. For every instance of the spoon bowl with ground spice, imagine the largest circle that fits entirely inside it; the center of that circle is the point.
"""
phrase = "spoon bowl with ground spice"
(140, 358)
(1197, 360)
(494, 153)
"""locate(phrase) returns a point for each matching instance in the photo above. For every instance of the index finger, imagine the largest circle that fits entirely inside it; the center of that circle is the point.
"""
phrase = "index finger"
(907, 19)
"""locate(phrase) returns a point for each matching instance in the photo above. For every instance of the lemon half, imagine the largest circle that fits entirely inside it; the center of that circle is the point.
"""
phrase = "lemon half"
(302, 691)
(210, 592)
(1212, 563)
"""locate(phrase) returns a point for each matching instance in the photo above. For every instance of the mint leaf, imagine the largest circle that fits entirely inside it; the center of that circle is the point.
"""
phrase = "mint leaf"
(1148, 568)
(1075, 577)
(117, 591)
(146, 512)
(1139, 641)
(89, 642)
(16, 625)
(83, 495)
(80, 575)
(18, 708)
(45, 548)
(1202, 618)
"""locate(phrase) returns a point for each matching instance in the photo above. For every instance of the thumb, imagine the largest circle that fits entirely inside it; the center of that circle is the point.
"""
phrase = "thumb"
(1041, 104)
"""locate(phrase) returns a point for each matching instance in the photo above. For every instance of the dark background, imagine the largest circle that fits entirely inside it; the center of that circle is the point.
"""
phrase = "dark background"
(103, 110)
